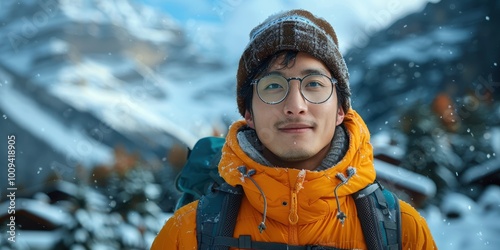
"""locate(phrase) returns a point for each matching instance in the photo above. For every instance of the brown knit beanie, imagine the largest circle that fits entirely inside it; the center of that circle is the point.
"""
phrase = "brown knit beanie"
(296, 30)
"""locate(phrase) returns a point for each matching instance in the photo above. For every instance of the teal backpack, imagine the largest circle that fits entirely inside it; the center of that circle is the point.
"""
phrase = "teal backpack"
(219, 202)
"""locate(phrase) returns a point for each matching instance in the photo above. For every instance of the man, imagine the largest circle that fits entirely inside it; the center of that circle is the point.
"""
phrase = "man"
(307, 150)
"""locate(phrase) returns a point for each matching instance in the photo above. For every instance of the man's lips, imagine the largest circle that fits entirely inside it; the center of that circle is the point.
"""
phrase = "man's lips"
(295, 127)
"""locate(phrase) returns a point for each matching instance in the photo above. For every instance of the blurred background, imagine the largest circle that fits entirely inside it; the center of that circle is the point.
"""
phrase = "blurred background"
(105, 97)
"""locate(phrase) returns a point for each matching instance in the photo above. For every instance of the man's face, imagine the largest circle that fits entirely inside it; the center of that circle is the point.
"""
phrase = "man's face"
(295, 129)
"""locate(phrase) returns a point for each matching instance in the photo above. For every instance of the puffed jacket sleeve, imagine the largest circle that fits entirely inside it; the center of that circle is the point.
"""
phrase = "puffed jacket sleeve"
(179, 232)
(415, 231)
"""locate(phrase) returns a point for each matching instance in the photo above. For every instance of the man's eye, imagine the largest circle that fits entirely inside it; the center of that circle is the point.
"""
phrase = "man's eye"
(273, 86)
(314, 84)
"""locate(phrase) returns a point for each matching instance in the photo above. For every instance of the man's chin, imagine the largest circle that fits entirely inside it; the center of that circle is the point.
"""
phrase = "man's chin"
(295, 155)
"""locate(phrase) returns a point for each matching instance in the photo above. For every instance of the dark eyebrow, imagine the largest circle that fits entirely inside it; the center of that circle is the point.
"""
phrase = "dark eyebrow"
(275, 72)
(314, 71)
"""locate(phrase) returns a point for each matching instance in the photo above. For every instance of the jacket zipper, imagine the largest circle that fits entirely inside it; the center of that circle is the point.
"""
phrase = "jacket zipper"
(293, 218)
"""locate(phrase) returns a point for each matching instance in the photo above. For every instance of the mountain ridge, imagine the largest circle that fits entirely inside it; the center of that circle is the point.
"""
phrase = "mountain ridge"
(104, 72)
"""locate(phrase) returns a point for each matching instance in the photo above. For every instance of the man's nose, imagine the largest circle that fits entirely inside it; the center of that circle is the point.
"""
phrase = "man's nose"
(295, 103)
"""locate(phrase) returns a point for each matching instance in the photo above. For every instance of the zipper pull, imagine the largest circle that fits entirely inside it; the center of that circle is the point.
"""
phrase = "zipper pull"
(293, 217)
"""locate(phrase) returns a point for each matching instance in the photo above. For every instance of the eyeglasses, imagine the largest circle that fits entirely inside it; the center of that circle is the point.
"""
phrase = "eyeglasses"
(315, 88)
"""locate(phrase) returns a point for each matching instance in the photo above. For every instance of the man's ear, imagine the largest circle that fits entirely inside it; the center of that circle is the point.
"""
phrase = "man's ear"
(249, 119)
(340, 115)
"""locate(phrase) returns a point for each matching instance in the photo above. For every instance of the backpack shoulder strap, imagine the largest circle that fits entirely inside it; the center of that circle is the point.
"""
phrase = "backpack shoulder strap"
(216, 216)
(380, 217)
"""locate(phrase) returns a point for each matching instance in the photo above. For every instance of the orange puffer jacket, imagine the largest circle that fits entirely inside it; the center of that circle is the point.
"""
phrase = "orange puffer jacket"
(301, 205)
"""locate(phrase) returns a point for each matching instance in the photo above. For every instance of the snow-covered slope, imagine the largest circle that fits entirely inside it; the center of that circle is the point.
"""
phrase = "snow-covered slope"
(449, 47)
(80, 77)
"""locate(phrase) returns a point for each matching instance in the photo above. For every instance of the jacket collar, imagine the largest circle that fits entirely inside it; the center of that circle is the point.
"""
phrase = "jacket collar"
(312, 189)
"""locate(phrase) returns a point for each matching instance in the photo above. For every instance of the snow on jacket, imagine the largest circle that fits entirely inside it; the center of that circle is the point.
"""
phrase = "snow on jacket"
(301, 205)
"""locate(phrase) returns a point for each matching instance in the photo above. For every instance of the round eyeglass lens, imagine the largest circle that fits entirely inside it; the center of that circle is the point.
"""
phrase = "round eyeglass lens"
(316, 88)
(272, 88)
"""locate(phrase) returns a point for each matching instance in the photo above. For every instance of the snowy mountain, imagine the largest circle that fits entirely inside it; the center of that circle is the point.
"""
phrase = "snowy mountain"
(78, 78)
(450, 47)
(434, 76)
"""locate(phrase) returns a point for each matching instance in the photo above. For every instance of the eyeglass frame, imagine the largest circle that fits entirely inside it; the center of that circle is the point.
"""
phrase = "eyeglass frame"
(333, 81)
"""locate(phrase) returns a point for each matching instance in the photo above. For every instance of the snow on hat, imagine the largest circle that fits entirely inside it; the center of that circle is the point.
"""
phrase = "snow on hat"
(296, 30)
